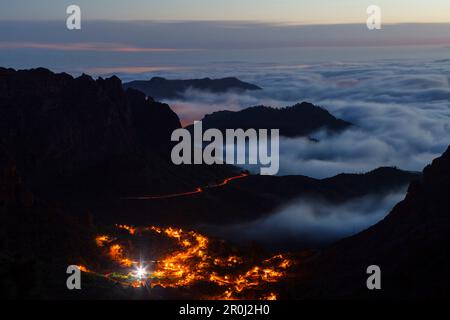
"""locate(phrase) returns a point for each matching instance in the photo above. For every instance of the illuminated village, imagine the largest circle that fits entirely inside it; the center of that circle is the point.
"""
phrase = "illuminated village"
(193, 261)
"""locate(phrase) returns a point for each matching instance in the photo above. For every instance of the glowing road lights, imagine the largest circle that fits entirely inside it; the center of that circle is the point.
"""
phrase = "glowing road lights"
(183, 194)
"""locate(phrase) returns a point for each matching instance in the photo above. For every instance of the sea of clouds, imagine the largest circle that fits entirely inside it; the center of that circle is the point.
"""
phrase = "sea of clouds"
(400, 111)
(401, 116)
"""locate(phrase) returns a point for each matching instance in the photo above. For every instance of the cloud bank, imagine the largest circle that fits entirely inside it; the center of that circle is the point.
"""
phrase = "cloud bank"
(400, 110)
(308, 222)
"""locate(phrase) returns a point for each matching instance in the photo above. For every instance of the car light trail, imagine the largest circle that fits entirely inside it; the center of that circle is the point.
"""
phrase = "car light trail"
(189, 193)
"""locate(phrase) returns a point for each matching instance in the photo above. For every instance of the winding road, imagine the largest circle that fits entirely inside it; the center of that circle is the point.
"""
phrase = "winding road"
(189, 193)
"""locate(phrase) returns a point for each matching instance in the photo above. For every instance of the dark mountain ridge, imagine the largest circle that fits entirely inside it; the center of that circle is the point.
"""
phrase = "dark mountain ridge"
(161, 88)
(71, 135)
(300, 119)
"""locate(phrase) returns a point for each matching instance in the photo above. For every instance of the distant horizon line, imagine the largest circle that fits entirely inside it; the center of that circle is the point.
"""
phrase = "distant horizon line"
(266, 22)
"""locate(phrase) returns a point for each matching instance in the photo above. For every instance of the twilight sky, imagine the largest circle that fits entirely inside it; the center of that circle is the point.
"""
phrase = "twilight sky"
(288, 11)
(137, 36)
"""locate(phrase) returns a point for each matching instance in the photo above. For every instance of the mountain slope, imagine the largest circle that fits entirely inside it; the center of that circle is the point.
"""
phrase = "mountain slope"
(256, 196)
(411, 246)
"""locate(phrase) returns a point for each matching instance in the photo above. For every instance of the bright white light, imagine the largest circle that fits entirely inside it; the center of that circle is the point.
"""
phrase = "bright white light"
(140, 272)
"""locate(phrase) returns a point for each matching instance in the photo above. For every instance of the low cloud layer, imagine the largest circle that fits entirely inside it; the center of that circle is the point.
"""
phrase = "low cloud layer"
(308, 222)
(400, 111)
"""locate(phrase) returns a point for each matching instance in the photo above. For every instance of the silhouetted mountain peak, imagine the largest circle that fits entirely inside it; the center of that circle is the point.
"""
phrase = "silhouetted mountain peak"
(58, 126)
(438, 170)
(157, 79)
(159, 87)
(85, 77)
(299, 120)
(303, 104)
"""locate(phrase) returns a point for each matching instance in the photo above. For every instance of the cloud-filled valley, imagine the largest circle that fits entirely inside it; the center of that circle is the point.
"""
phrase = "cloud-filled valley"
(311, 222)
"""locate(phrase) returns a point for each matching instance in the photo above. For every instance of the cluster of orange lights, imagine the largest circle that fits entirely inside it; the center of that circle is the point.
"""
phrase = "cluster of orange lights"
(102, 240)
(117, 254)
(194, 262)
(130, 229)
